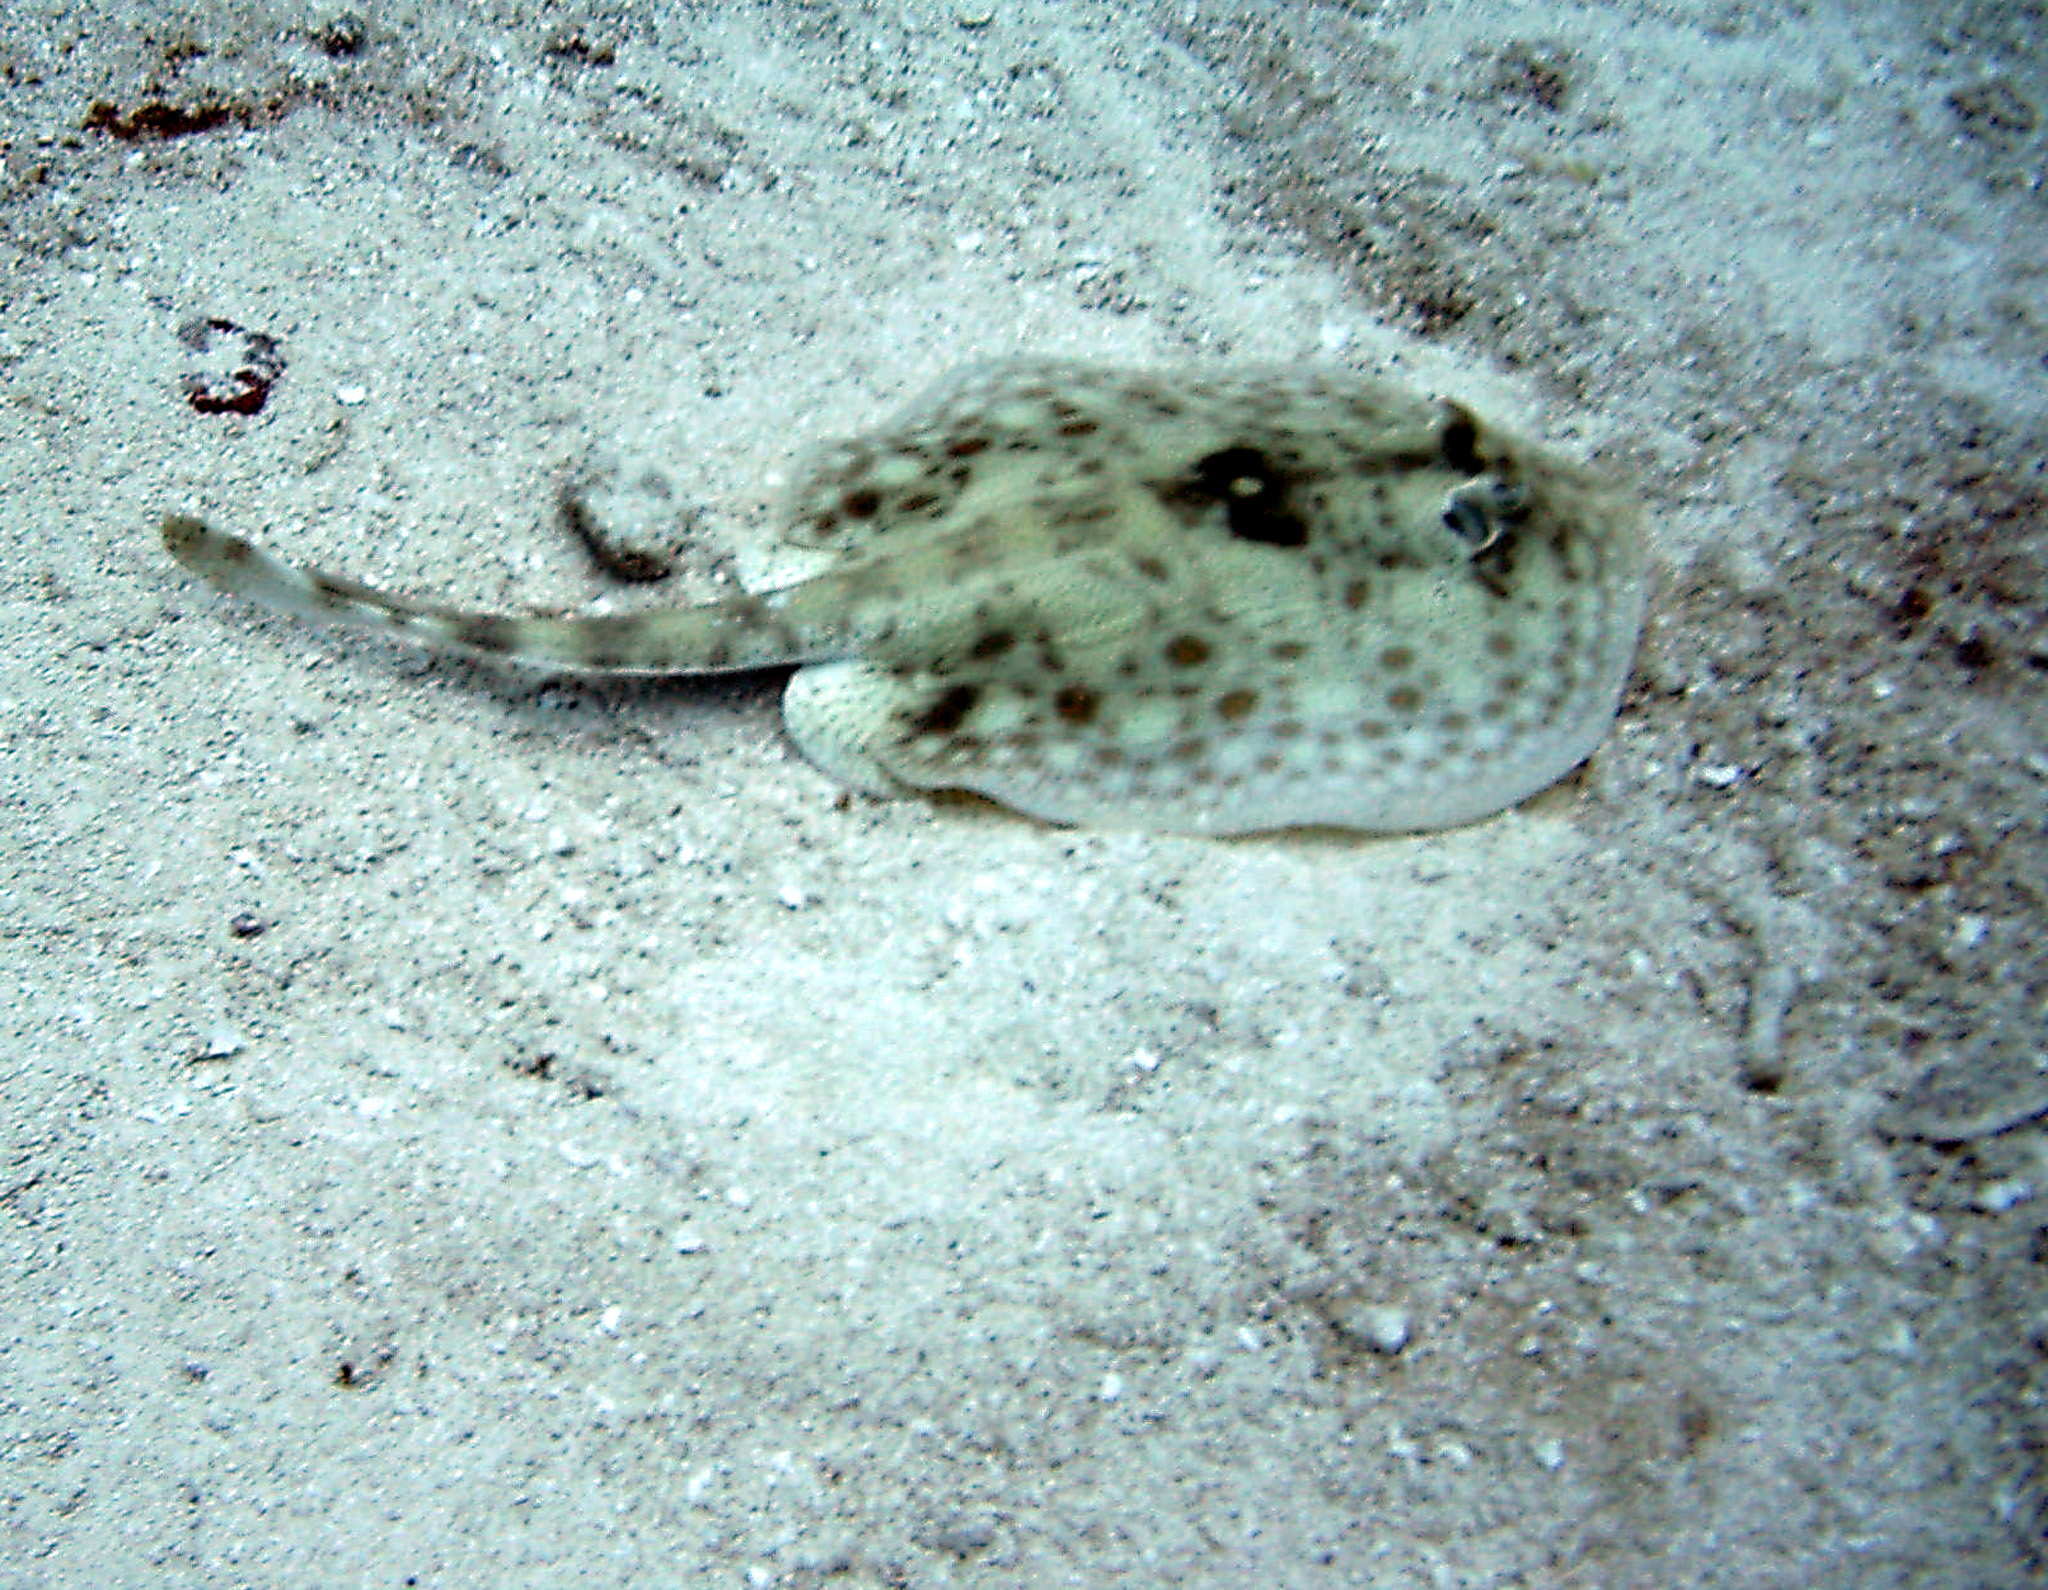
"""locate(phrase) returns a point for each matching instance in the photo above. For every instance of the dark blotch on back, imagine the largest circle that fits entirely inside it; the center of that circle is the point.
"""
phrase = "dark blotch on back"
(1458, 441)
(1494, 567)
(486, 633)
(947, 711)
(1249, 486)
(1077, 703)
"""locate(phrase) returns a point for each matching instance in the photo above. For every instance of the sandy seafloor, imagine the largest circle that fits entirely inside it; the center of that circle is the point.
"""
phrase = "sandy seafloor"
(475, 1129)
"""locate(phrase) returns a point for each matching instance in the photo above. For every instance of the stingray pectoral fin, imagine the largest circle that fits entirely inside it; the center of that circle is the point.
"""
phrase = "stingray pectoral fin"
(847, 719)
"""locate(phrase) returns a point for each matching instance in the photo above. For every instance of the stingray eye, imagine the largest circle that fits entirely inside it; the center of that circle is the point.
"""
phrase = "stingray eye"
(1466, 520)
(1479, 512)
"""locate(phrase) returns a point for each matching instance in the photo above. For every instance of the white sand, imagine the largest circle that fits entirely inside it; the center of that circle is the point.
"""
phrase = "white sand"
(603, 1156)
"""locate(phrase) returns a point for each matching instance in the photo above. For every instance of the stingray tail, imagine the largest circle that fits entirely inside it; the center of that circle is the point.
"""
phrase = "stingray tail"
(719, 637)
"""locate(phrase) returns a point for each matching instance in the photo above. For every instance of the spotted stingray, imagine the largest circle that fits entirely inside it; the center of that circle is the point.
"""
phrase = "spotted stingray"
(1210, 602)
